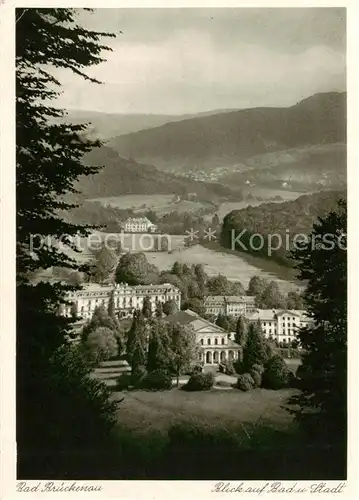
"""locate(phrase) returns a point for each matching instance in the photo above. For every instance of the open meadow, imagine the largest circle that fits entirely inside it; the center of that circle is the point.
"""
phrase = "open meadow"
(145, 411)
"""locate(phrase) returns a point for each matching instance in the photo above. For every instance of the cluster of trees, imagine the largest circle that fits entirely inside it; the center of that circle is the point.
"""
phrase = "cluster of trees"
(268, 295)
(111, 218)
(260, 363)
(154, 345)
(103, 266)
(102, 337)
(285, 219)
(96, 214)
(192, 281)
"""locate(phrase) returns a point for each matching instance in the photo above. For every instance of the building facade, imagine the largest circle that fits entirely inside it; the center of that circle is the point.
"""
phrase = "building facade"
(215, 344)
(281, 324)
(139, 225)
(126, 298)
(233, 306)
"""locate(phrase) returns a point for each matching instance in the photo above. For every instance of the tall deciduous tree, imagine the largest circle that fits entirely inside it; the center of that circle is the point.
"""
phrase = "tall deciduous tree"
(183, 347)
(101, 344)
(134, 269)
(272, 297)
(323, 400)
(48, 162)
(256, 286)
(105, 264)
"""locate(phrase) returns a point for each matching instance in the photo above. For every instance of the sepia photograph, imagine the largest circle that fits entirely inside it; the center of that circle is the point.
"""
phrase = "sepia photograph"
(181, 245)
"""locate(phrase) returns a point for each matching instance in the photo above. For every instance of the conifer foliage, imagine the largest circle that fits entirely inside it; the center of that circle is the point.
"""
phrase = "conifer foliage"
(323, 264)
(48, 162)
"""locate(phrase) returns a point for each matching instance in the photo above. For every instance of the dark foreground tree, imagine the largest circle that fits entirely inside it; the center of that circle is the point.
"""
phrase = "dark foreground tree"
(323, 400)
(241, 331)
(255, 350)
(55, 396)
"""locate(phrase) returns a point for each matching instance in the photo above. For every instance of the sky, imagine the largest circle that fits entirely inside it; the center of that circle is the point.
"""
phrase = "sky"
(176, 61)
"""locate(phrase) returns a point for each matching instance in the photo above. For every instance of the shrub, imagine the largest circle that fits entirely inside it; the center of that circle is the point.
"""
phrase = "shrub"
(257, 378)
(228, 368)
(258, 368)
(276, 374)
(157, 380)
(139, 375)
(200, 382)
(245, 382)
(124, 381)
(239, 367)
(292, 380)
(195, 369)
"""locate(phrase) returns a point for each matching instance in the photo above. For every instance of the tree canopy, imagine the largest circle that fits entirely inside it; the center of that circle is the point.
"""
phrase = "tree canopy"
(48, 162)
(323, 400)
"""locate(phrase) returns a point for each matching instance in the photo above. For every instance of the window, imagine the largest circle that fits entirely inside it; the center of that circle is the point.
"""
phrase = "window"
(222, 340)
(215, 341)
(209, 341)
(201, 341)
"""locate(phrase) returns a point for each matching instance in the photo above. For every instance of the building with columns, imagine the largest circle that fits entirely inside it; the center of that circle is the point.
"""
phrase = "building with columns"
(215, 344)
(126, 298)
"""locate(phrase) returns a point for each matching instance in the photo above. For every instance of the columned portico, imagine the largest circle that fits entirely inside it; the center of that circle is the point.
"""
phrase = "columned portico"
(217, 356)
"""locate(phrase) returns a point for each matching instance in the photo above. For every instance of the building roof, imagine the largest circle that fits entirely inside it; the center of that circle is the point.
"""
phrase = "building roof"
(240, 298)
(269, 314)
(214, 298)
(138, 220)
(229, 298)
(96, 287)
(199, 324)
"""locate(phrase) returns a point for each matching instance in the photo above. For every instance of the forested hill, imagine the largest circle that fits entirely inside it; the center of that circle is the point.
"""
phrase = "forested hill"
(231, 137)
(286, 219)
(120, 176)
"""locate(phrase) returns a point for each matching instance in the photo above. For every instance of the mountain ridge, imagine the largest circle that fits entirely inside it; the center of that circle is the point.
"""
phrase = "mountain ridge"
(233, 136)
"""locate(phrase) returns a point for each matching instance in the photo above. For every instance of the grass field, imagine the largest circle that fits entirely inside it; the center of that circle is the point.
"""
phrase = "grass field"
(144, 411)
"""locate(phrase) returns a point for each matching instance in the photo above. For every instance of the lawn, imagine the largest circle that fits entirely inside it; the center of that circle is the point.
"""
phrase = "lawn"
(146, 411)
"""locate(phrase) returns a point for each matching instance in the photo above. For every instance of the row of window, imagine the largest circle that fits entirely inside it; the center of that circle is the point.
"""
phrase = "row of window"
(223, 341)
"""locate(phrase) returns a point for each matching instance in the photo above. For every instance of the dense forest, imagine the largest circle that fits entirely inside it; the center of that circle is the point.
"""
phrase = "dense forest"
(125, 176)
(284, 219)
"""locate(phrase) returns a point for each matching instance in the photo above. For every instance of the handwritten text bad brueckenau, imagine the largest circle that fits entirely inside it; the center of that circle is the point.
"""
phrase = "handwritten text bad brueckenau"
(279, 487)
(56, 487)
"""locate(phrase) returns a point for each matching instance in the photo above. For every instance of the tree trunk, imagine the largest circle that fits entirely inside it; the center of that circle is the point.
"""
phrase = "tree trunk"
(177, 379)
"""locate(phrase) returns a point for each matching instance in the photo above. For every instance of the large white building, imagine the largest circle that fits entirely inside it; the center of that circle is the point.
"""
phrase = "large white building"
(215, 344)
(139, 225)
(233, 305)
(126, 298)
(281, 324)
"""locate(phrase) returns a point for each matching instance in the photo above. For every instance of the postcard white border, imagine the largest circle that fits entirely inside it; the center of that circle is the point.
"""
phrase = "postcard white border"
(153, 489)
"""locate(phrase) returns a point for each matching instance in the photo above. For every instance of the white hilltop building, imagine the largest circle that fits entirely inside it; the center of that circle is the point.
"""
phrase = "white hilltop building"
(215, 344)
(138, 225)
(126, 298)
